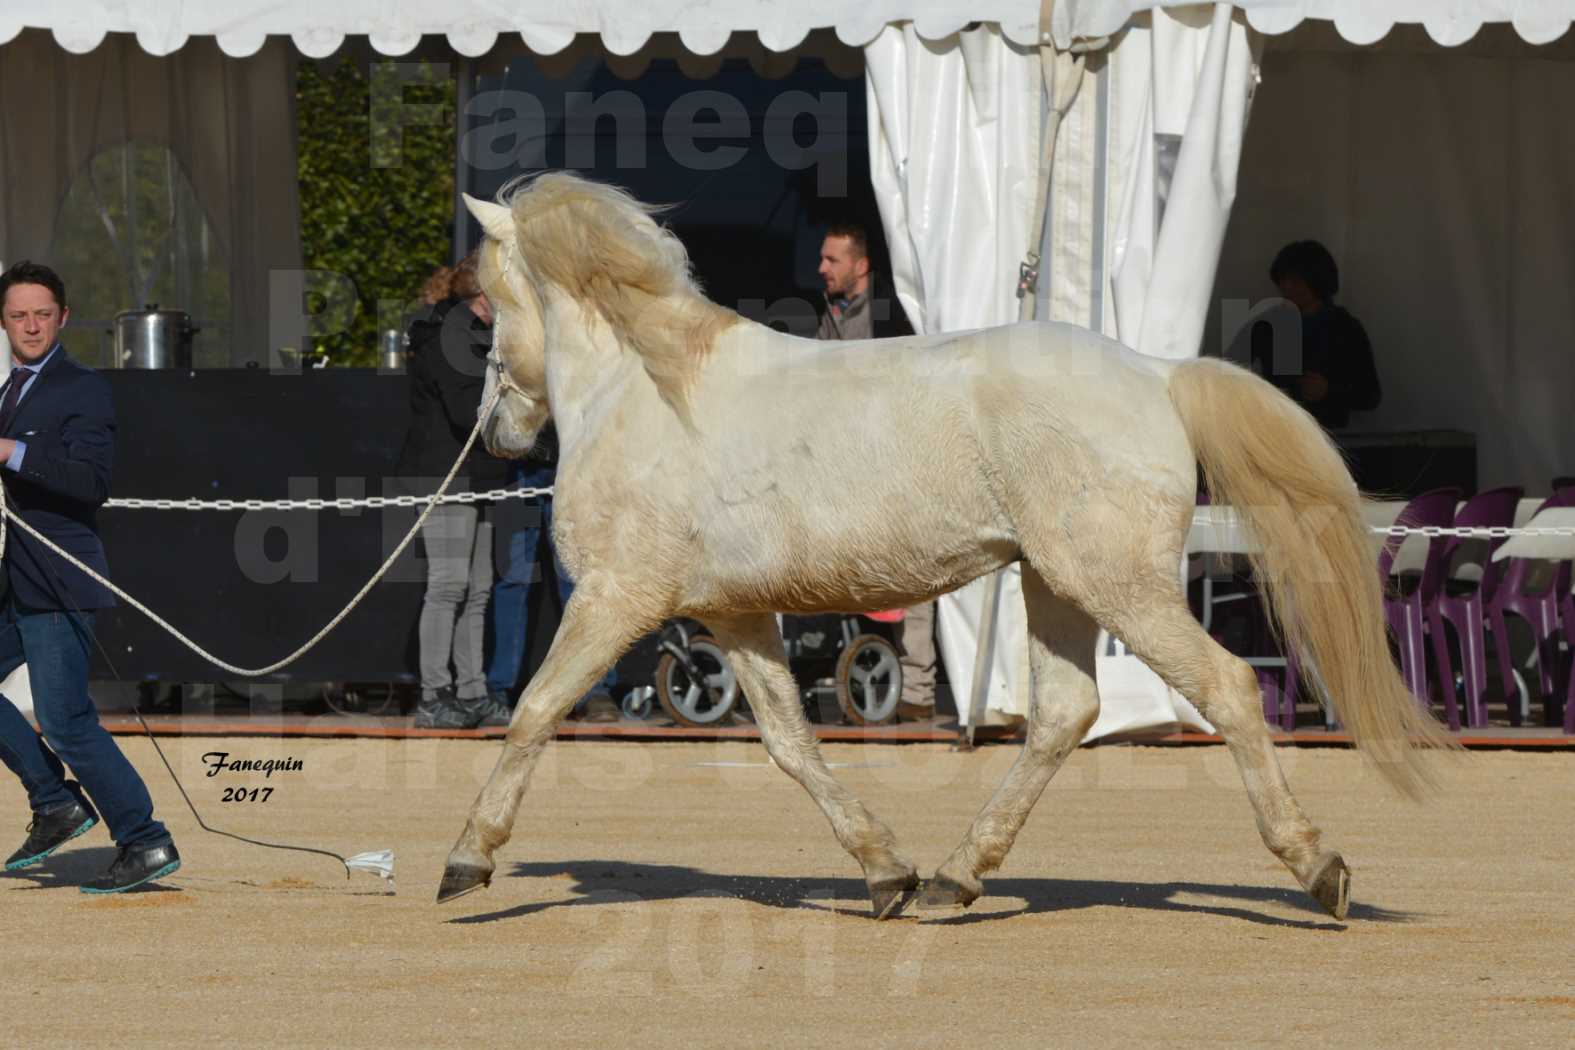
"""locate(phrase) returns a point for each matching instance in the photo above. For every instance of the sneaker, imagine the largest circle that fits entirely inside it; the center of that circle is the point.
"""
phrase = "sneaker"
(444, 710)
(499, 712)
(134, 866)
(49, 831)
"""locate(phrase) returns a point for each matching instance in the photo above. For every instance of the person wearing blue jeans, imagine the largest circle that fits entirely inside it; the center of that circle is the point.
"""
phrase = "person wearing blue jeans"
(55, 646)
(57, 447)
(510, 611)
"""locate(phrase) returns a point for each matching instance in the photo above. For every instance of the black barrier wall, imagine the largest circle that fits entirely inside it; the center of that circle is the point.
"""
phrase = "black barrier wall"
(251, 586)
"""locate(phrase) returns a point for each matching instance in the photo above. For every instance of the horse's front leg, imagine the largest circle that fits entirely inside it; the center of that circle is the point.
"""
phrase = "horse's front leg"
(754, 650)
(595, 631)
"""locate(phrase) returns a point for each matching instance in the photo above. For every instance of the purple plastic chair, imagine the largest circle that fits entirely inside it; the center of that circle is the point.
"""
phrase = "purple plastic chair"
(1531, 590)
(1460, 603)
(1409, 597)
(1567, 618)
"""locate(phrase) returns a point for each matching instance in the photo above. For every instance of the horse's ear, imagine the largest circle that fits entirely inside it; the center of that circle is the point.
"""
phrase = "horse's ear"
(495, 219)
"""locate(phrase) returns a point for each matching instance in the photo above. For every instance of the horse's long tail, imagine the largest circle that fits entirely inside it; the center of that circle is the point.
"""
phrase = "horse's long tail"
(1271, 461)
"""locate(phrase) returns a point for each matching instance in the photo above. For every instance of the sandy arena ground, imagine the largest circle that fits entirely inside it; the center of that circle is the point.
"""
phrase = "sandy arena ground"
(676, 895)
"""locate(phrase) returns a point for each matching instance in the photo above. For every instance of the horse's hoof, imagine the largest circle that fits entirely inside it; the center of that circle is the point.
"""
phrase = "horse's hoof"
(889, 897)
(941, 893)
(460, 879)
(1331, 887)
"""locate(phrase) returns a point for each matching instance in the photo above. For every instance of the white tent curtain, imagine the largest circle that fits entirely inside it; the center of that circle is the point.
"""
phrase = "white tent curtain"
(1181, 81)
(1180, 86)
(1164, 130)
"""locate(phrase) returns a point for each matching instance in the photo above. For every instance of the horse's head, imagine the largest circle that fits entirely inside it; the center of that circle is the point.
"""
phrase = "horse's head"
(563, 240)
(518, 361)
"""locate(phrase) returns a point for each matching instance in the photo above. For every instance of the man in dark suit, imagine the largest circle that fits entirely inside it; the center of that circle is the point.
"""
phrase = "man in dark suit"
(57, 446)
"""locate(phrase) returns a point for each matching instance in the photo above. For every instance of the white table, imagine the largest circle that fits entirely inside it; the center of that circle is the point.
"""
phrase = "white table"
(1549, 548)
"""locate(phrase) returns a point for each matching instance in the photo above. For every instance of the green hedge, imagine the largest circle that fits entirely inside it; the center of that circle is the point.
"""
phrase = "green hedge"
(375, 161)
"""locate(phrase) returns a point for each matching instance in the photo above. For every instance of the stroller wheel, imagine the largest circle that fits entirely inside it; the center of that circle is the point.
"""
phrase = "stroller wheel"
(869, 680)
(637, 702)
(703, 702)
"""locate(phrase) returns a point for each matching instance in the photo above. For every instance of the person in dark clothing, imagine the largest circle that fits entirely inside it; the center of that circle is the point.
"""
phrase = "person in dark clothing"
(447, 365)
(1338, 374)
(57, 450)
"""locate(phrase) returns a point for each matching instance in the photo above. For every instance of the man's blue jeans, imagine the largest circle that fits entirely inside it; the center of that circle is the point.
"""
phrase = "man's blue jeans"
(510, 611)
(55, 647)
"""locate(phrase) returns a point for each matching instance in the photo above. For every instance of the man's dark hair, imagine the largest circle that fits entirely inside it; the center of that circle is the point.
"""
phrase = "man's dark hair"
(1310, 261)
(26, 272)
(855, 233)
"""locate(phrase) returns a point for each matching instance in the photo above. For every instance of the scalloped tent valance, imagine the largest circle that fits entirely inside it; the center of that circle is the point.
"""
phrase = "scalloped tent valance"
(474, 27)
(1448, 22)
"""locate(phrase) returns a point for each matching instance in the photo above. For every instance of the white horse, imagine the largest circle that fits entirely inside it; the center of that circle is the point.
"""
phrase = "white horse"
(713, 468)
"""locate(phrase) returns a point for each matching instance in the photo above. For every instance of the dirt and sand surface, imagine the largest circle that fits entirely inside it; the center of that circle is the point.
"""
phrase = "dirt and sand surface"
(678, 895)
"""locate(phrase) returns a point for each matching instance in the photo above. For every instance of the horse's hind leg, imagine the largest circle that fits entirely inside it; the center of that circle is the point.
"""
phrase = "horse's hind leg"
(1161, 630)
(595, 630)
(754, 650)
(1061, 648)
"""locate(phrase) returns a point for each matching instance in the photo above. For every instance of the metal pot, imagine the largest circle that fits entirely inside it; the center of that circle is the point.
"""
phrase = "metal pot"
(153, 338)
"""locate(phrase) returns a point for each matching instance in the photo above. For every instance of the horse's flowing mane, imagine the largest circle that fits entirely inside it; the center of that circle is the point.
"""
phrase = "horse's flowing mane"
(605, 249)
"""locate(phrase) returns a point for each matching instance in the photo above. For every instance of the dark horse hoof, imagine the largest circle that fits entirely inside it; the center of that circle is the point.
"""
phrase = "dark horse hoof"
(889, 896)
(460, 879)
(941, 892)
(1331, 887)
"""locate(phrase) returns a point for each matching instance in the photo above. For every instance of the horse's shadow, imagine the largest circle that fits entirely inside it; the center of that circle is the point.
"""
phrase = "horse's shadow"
(613, 882)
(70, 869)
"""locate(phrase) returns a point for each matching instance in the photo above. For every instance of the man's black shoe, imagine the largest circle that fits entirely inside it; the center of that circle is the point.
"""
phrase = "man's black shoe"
(49, 831)
(133, 866)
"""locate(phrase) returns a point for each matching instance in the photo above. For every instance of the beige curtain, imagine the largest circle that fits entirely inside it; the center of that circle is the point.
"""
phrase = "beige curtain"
(227, 128)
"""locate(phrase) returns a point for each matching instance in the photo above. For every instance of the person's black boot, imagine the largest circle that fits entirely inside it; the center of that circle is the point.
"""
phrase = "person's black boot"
(134, 866)
(49, 831)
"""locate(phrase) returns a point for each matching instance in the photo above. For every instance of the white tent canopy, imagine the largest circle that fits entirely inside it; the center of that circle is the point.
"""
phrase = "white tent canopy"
(474, 27)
